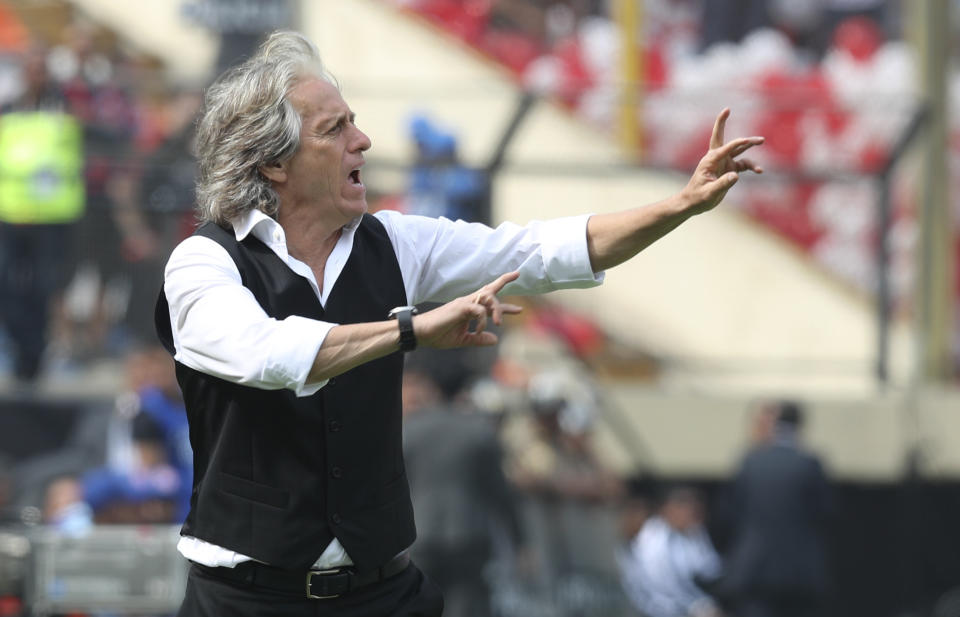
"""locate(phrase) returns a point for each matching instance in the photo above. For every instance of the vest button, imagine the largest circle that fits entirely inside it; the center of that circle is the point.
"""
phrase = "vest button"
(336, 472)
(332, 381)
(335, 426)
(336, 519)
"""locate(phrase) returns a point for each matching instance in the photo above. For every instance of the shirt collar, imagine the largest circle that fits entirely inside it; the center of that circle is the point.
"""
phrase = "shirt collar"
(244, 224)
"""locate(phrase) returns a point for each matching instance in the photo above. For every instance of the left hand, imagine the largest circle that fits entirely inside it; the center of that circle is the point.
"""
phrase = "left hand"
(719, 169)
(448, 326)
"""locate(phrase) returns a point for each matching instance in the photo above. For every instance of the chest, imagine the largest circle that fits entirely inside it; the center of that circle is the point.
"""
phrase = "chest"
(368, 285)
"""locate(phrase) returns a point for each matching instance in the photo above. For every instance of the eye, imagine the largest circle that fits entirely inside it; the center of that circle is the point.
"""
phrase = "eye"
(336, 128)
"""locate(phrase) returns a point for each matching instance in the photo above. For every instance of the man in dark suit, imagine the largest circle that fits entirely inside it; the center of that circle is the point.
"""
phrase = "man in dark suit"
(777, 561)
(464, 507)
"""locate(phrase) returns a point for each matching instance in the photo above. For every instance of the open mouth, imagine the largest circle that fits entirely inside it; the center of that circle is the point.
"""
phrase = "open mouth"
(355, 177)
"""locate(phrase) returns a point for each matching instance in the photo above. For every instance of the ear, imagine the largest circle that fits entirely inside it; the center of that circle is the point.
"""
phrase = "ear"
(275, 172)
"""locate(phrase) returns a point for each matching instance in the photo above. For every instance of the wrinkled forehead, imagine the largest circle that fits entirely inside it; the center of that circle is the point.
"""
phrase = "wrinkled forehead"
(314, 95)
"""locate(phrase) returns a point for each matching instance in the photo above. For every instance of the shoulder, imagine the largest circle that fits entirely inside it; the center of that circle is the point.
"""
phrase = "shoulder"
(198, 249)
(371, 224)
(395, 221)
(214, 232)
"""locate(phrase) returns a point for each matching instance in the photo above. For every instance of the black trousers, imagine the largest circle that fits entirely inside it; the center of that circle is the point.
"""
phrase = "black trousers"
(408, 594)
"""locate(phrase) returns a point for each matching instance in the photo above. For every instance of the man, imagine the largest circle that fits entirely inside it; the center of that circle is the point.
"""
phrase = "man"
(564, 483)
(779, 510)
(665, 565)
(463, 503)
(277, 309)
(41, 199)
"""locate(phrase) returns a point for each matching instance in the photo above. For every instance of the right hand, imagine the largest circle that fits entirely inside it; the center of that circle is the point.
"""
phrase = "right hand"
(448, 326)
(719, 169)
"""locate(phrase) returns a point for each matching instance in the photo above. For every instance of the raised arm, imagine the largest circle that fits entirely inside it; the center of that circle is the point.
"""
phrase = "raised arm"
(616, 237)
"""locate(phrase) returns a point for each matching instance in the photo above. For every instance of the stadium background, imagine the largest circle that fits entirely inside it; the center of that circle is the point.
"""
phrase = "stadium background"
(832, 280)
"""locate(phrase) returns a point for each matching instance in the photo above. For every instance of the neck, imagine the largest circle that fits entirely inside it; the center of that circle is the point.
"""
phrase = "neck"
(310, 238)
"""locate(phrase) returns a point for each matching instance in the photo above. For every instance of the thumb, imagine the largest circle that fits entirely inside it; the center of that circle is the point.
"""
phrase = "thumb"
(727, 180)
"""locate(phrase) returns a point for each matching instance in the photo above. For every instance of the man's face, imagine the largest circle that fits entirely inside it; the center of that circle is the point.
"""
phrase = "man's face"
(325, 170)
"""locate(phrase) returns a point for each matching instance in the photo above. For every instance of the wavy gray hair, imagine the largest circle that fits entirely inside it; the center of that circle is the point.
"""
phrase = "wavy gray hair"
(247, 123)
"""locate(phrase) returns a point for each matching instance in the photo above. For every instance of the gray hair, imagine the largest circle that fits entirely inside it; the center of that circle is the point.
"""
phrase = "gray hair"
(247, 123)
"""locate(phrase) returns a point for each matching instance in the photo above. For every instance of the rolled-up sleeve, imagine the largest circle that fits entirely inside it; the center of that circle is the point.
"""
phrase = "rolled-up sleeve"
(443, 259)
(220, 329)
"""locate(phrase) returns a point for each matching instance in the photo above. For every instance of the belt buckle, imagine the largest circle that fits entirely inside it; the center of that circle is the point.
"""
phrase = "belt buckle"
(313, 573)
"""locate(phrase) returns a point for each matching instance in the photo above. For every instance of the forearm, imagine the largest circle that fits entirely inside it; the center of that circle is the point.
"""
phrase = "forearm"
(616, 237)
(445, 327)
(351, 345)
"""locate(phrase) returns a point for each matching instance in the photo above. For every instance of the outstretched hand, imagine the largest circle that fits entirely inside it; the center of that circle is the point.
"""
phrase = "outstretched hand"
(449, 326)
(719, 169)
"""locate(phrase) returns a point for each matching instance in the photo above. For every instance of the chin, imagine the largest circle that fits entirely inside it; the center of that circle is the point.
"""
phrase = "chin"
(354, 208)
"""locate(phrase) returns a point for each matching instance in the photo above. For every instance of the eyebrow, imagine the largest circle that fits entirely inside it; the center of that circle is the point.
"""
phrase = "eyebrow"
(332, 122)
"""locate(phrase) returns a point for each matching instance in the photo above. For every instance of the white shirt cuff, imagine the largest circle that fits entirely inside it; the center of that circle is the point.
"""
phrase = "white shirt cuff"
(566, 259)
(292, 353)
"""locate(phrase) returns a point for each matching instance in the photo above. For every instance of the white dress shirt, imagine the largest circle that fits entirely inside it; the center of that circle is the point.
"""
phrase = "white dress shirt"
(220, 329)
(660, 567)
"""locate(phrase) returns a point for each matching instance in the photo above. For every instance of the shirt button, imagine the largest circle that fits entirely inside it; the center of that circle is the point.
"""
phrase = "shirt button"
(336, 519)
(334, 426)
(276, 235)
(336, 472)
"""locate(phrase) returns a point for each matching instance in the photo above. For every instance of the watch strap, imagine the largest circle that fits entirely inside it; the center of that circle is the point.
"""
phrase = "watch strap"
(404, 316)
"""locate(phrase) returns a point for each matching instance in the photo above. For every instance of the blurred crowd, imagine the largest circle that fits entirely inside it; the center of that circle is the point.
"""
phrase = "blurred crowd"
(97, 187)
(519, 513)
(831, 84)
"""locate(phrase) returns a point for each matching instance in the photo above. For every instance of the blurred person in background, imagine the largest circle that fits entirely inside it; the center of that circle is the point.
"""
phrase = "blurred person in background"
(91, 76)
(568, 490)
(64, 508)
(105, 440)
(463, 505)
(144, 493)
(148, 491)
(285, 312)
(778, 506)
(154, 211)
(440, 185)
(669, 565)
(41, 200)
(635, 508)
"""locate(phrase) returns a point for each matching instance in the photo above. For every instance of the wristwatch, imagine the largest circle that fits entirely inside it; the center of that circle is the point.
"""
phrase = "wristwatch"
(404, 316)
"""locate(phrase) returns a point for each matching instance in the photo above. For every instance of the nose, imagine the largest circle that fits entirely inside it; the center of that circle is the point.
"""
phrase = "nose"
(360, 141)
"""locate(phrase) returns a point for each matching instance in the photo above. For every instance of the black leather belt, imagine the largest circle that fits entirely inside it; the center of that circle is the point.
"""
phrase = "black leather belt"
(316, 584)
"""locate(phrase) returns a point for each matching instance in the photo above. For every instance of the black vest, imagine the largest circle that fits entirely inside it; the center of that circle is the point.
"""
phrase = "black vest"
(276, 477)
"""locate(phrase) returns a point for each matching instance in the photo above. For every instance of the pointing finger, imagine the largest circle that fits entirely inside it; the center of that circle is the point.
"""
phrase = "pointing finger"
(716, 138)
(502, 280)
